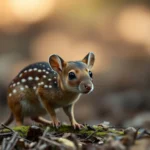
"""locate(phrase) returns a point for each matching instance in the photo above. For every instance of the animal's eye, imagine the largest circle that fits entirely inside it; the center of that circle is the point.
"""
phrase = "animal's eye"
(72, 76)
(90, 74)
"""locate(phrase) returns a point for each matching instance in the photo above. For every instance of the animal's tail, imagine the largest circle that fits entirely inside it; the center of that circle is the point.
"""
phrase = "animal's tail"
(9, 120)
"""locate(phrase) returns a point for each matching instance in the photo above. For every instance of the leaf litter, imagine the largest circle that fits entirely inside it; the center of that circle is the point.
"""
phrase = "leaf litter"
(97, 137)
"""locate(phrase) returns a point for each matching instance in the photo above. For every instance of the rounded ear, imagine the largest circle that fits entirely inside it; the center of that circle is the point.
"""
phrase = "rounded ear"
(56, 63)
(89, 59)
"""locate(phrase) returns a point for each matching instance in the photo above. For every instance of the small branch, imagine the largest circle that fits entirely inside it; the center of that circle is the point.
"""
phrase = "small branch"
(51, 142)
(4, 126)
(44, 134)
(6, 134)
(12, 142)
(4, 143)
(91, 135)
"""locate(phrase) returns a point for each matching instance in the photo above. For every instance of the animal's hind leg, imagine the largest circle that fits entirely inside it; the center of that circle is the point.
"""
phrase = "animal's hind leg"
(41, 120)
(18, 115)
(19, 120)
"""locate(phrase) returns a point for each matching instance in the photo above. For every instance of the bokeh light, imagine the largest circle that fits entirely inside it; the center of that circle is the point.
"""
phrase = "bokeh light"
(134, 24)
(31, 11)
(118, 32)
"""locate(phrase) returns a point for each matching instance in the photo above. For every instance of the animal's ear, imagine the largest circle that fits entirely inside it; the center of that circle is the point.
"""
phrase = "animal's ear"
(56, 63)
(89, 59)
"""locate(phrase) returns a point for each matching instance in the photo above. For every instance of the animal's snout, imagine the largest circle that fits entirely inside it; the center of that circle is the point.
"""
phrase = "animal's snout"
(86, 87)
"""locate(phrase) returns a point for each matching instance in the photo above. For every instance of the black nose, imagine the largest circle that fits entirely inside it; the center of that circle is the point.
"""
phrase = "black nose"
(88, 87)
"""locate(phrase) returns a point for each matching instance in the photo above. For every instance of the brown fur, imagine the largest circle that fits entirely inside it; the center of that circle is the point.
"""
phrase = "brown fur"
(38, 90)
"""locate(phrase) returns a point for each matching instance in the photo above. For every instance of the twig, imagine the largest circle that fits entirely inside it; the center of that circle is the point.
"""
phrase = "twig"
(6, 134)
(51, 142)
(10, 133)
(44, 134)
(148, 133)
(25, 139)
(4, 143)
(43, 146)
(91, 135)
(7, 128)
(12, 142)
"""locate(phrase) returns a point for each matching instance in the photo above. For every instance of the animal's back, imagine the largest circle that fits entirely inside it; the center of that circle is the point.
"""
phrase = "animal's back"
(22, 89)
(33, 76)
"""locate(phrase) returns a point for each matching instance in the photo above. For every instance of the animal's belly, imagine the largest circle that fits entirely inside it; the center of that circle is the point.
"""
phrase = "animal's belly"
(65, 101)
(32, 110)
(59, 104)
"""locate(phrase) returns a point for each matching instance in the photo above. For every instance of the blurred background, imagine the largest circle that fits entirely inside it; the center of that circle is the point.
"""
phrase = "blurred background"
(117, 31)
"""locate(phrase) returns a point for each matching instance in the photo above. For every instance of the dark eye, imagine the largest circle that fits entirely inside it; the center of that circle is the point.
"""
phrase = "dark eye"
(90, 74)
(72, 76)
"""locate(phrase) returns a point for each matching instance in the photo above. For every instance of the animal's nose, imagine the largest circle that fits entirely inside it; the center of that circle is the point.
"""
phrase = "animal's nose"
(88, 87)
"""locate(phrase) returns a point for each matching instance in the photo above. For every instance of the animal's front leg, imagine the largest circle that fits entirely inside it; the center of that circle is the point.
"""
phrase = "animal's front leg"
(50, 109)
(69, 110)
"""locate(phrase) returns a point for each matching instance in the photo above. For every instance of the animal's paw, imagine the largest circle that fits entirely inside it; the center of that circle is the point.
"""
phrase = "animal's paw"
(56, 123)
(77, 125)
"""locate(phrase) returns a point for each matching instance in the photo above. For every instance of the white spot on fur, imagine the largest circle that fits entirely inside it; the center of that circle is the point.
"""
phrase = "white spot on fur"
(14, 85)
(30, 70)
(49, 79)
(25, 71)
(14, 91)
(20, 75)
(21, 88)
(30, 78)
(34, 87)
(26, 86)
(35, 69)
(50, 86)
(42, 83)
(39, 83)
(39, 70)
(44, 70)
(37, 78)
(44, 76)
(45, 86)
(18, 83)
(47, 72)
(23, 80)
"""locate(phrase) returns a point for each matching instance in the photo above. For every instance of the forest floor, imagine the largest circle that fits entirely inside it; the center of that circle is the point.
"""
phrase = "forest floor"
(97, 137)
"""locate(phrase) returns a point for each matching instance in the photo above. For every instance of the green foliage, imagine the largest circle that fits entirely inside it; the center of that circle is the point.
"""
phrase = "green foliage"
(97, 130)
(22, 130)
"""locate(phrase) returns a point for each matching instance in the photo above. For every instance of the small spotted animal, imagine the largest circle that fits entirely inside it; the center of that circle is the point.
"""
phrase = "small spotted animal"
(43, 87)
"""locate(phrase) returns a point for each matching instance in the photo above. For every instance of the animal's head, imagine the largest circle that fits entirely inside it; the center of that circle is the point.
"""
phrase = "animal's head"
(75, 76)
